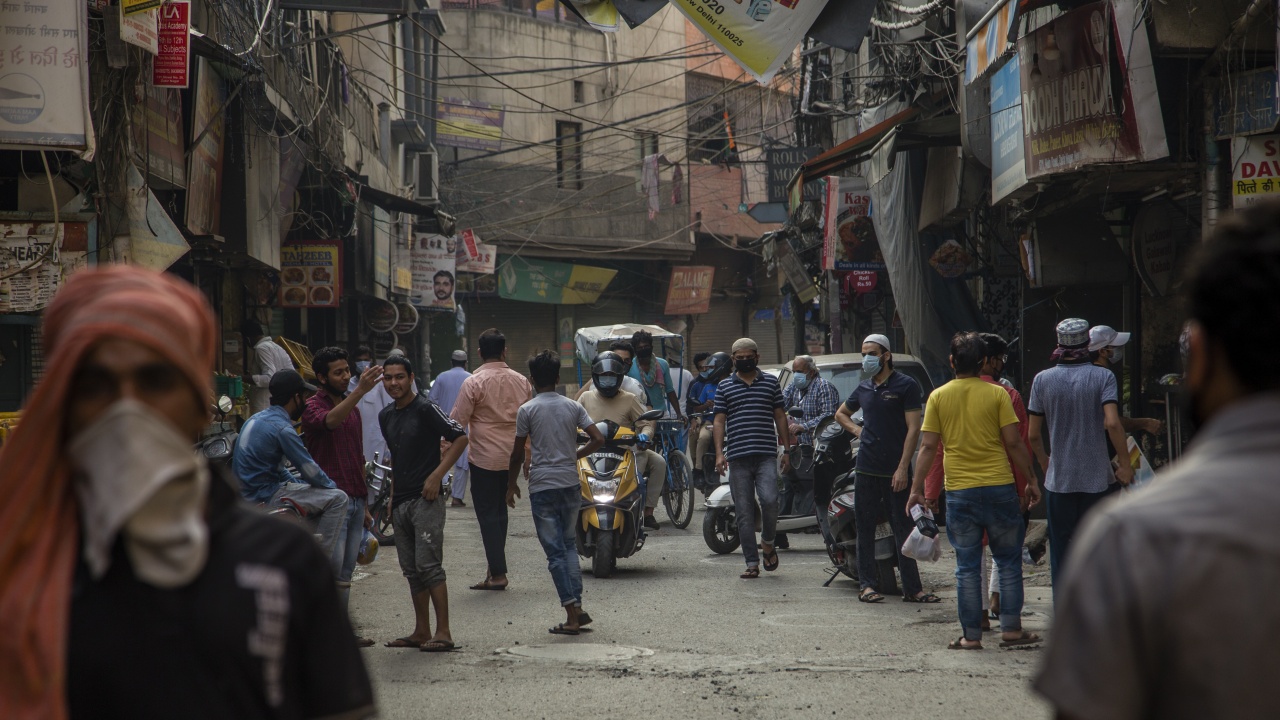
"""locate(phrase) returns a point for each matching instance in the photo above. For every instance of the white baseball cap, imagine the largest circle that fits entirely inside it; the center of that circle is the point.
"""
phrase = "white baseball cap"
(878, 339)
(1101, 336)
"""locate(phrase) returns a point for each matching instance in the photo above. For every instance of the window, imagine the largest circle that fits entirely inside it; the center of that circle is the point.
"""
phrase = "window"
(568, 155)
(579, 92)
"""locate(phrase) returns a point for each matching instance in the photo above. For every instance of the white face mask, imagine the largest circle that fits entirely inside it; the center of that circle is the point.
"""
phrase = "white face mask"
(138, 476)
(1117, 353)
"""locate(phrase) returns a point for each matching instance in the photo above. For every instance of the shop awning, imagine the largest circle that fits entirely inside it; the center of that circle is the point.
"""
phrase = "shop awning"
(393, 203)
(851, 151)
(991, 39)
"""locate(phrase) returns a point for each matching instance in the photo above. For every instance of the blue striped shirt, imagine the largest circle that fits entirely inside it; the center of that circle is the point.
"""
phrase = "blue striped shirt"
(750, 428)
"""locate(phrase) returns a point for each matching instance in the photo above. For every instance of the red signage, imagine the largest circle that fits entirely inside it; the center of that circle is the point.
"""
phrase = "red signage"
(470, 242)
(863, 282)
(171, 66)
(690, 290)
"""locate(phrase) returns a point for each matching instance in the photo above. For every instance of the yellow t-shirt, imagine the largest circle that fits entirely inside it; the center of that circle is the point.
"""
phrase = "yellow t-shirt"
(969, 413)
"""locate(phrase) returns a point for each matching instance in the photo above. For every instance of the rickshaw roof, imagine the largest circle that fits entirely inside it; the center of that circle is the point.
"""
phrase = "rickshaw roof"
(588, 339)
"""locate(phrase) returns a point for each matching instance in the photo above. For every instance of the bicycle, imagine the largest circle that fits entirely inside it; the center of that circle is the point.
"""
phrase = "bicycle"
(378, 477)
(670, 439)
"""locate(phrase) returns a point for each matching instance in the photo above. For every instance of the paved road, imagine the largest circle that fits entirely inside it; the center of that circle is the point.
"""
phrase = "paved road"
(710, 645)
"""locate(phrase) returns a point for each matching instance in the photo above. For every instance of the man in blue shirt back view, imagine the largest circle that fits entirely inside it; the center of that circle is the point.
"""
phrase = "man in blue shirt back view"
(267, 440)
(444, 392)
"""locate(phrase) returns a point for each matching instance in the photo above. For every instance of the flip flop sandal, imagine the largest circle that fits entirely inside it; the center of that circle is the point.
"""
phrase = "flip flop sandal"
(403, 642)
(751, 573)
(562, 630)
(870, 597)
(438, 646)
(927, 599)
(486, 585)
(771, 559)
(1026, 639)
(583, 619)
(958, 644)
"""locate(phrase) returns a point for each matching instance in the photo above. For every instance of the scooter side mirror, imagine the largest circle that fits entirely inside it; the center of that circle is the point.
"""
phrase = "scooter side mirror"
(225, 405)
(651, 415)
(796, 412)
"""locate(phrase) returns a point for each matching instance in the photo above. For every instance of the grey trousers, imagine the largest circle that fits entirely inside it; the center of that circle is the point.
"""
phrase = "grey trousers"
(327, 505)
(752, 477)
(654, 468)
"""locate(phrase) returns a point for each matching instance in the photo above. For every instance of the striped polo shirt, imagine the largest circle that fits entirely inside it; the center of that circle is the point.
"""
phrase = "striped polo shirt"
(749, 427)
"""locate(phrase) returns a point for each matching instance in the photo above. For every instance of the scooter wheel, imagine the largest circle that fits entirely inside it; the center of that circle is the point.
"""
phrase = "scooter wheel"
(604, 560)
(720, 530)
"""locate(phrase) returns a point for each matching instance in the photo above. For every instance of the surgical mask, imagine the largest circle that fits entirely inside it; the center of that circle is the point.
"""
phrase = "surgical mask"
(644, 353)
(870, 366)
(800, 381)
(138, 478)
(362, 365)
(607, 382)
(745, 365)
(1117, 353)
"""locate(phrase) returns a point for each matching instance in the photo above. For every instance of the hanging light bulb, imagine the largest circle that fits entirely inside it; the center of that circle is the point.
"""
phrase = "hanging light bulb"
(1051, 52)
(1036, 75)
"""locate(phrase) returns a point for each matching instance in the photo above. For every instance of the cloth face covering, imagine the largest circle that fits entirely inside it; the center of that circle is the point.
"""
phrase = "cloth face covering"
(137, 477)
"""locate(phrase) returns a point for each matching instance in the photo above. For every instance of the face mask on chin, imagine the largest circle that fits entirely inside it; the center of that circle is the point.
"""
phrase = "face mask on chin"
(138, 478)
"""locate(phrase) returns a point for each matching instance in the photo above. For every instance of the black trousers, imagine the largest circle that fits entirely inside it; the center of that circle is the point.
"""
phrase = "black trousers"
(489, 495)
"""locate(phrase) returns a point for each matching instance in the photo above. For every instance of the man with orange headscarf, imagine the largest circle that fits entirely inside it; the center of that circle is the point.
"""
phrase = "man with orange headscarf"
(132, 581)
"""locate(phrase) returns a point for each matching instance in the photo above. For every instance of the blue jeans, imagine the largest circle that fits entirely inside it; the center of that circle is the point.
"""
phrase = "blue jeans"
(995, 510)
(350, 536)
(555, 514)
(752, 477)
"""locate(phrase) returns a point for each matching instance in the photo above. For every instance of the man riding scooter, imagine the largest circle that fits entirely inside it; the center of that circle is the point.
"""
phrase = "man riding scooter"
(701, 400)
(817, 399)
(606, 400)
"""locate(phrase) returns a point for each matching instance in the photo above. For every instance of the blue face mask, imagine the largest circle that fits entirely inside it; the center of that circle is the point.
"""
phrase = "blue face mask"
(362, 365)
(800, 381)
(870, 366)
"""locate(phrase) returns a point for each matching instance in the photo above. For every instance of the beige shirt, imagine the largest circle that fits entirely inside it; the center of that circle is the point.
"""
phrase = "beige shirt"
(622, 409)
(486, 406)
(1167, 607)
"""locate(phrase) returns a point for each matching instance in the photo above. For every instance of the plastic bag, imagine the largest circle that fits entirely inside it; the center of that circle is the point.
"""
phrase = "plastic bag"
(922, 548)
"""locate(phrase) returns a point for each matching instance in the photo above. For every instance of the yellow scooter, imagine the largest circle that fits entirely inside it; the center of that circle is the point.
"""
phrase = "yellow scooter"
(613, 494)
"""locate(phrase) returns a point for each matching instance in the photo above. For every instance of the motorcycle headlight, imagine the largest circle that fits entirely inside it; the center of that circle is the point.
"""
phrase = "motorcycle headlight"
(604, 490)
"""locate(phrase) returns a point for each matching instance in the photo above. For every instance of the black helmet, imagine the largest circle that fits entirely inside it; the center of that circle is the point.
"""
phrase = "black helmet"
(717, 367)
(607, 373)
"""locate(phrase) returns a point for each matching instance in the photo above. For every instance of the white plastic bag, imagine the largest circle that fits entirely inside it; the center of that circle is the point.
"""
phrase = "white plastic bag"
(922, 548)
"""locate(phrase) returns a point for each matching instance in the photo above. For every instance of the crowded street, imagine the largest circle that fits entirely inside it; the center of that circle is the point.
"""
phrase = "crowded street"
(677, 634)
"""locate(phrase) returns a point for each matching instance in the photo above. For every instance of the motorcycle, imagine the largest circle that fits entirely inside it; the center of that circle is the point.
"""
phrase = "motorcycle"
(835, 455)
(613, 494)
(720, 522)
(218, 445)
(379, 479)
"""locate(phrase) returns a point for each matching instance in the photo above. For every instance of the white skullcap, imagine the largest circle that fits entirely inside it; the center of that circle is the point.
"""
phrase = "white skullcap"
(744, 344)
(878, 339)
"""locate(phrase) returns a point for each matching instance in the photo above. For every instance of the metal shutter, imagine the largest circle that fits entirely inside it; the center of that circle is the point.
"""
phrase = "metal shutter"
(715, 330)
(529, 327)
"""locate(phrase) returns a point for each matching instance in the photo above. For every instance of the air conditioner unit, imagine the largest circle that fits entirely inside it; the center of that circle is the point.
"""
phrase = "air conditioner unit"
(426, 186)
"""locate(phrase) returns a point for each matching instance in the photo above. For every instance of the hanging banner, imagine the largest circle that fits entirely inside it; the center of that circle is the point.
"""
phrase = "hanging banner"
(1076, 113)
(311, 274)
(41, 68)
(544, 281)
(1008, 156)
(830, 207)
(689, 292)
(1255, 169)
(482, 264)
(158, 142)
(204, 172)
(759, 34)
(434, 268)
(852, 244)
(471, 125)
(172, 64)
(141, 29)
(469, 242)
(793, 273)
(599, 14)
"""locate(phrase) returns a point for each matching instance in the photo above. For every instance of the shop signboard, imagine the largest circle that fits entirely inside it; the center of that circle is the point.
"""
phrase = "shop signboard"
(759, 34)
(408, 318)
(204, 171)
(484, 261)
(141, 29)
(34, 260)
(158, 144)
(544, 281)
(467, 124)
(1008, 157)
(1075, 111)
(689, 292)
(782, 164)
(793, 273)
(45, 46)
(434, 272)
(381, 316)
(1245, 104)
(1158, 229)
(849, 236)
(172, 64)
(1255, 169)
(311, 274)
(133, 7)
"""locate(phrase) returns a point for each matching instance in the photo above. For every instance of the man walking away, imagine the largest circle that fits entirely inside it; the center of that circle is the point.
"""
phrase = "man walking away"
(1106, 347)
(1078, 401)
(486, 407)
(816, 399)
(265, 360)
(890, 402)
(750, 420)
(976, 422)
(551, 423)
(414, 427)
(715, 368)
(135, 583)
(334, 435)
(1159, 612)
(683, 381)
(654, 375)
(267, 440)
(444, 392)
(369, 405)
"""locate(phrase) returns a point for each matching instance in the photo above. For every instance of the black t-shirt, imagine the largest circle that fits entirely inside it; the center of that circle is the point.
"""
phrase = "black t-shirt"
(413, 437)
(258, 634)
